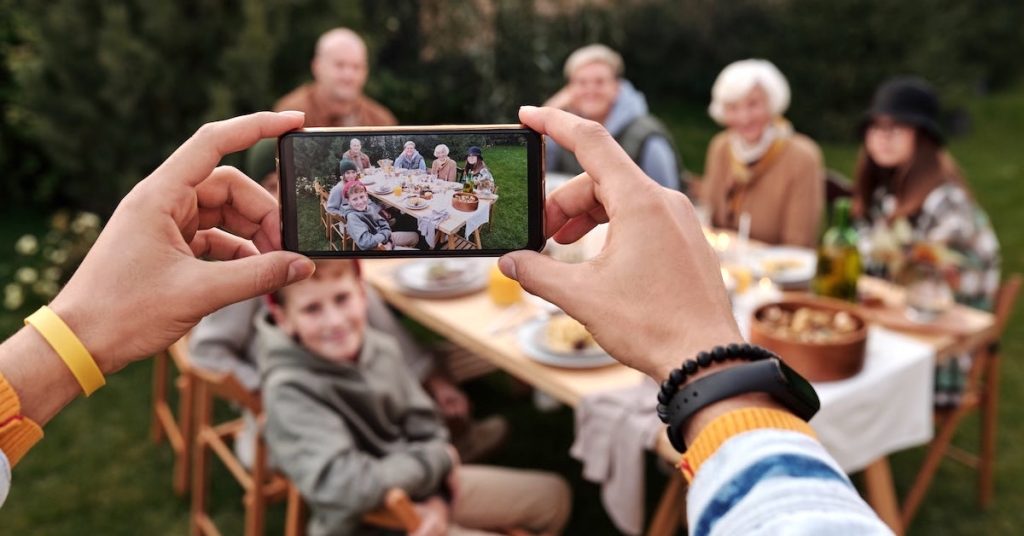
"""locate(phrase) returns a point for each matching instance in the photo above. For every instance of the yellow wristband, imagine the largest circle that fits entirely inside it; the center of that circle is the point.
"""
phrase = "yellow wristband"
(68, 347)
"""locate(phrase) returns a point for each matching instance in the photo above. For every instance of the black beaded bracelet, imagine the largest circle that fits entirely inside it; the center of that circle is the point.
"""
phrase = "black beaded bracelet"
(718, 354)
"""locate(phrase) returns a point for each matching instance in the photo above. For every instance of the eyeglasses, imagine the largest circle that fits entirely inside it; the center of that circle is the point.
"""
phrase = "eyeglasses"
(889, 128)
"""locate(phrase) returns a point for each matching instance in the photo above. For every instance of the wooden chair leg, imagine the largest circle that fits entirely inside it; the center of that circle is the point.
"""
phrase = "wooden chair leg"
(881, 494)
(936, 451)
(255, 498)
(156, 429)
(200, 462)
(186, 402)
(989, 422)
(671, 507)
(295, 515)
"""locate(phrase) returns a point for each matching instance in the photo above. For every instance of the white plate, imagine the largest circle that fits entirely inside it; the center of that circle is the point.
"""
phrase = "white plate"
(368, 181)
(424, 204)
(382, 191)
(806, 264)
(412, 279)
(531, 336)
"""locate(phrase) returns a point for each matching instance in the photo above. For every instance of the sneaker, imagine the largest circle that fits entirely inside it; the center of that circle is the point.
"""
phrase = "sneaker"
(481, 438)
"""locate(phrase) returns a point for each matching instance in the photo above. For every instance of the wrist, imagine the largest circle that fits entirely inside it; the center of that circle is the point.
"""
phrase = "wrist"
(672, 353)
(81, 322)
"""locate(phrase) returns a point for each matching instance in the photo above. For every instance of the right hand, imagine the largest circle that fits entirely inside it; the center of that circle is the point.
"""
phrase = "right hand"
(433, 518)
(654, 295)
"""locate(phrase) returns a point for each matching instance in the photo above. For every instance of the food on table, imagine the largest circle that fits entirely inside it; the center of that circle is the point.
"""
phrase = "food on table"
(781, 265)
(416, 202)
(445, 272)
(465, 202)
(427, 194)
(806, 324)
(566, 335)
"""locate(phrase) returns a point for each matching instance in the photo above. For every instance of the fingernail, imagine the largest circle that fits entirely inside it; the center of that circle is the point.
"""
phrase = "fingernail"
(293, 113)
(527, 108)
(300, 269)
(507, 267)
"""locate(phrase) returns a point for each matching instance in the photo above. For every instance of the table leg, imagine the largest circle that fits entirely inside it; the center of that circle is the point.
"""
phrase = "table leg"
(451, 242)
(671, 508)
(881, 493)
(476, 237)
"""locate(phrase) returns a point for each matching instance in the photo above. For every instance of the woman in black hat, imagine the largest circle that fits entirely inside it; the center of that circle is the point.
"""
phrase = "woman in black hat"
(475, 170)
(910, 193)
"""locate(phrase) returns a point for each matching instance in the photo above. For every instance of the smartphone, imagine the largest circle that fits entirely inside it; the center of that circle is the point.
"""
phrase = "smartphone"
(430, 191)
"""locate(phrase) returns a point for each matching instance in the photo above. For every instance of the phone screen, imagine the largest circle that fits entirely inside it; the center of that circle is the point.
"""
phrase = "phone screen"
(412, 191)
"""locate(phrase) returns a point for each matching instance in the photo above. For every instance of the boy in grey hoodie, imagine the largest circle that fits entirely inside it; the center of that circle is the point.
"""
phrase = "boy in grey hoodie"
(367, 227)
(346, 421)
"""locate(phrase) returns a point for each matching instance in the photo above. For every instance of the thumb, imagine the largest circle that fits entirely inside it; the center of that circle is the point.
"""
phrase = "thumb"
(240, 279)
(542, 276)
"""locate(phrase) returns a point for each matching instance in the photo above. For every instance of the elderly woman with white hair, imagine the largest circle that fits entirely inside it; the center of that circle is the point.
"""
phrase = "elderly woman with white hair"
(410, 158)
(356, 155)
(597, 91)
(443, 167)
(759, 165)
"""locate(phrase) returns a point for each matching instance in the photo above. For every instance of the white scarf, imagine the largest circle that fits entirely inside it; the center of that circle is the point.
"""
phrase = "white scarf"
(750, 153)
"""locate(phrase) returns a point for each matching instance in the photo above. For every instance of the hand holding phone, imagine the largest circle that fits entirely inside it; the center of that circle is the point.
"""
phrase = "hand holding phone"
(450, 191)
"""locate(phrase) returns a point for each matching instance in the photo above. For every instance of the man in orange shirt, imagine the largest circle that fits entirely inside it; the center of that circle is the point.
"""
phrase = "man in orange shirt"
(335, 96)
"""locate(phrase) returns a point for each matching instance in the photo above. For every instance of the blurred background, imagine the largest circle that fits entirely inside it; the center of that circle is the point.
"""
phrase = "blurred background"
(96, 94)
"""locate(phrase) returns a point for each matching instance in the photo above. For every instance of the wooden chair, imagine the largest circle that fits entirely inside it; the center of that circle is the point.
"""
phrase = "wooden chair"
(261, 486)
(178, 430)
(397, 513)
(981, 393)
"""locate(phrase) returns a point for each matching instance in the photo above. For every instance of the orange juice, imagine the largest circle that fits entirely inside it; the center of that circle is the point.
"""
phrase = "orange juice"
(503, 291)
(398, 190)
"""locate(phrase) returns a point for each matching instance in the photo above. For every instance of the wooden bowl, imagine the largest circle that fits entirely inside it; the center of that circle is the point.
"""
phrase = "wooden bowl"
(840, 357)
(465, 202)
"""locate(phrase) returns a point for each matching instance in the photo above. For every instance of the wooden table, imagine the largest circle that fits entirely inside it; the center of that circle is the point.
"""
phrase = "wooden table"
(442, 200)
(449, 318)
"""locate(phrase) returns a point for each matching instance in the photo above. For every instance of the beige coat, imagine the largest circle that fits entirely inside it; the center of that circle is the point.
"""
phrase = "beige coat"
(446, 171)
(785, 195)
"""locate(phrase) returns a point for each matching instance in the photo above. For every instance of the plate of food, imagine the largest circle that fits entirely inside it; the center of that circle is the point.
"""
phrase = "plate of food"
(416, 203)
(367, 181)
(561, 341)
(441, 278)
(382, 189)
(787, 265)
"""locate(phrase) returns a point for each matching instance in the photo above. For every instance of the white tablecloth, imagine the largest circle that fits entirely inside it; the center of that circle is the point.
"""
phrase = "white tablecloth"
(885, 408)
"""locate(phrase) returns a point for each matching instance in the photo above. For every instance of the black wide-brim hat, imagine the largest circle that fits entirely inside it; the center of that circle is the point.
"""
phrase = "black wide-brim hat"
(474, 151)
(908, 100)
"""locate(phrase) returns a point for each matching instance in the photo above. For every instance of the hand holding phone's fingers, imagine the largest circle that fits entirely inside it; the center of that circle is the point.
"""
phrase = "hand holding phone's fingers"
(595, 149)
(564, 285)
(576, 198)
(194, 160)
(230, 199)
(224, 283)
(220, 245)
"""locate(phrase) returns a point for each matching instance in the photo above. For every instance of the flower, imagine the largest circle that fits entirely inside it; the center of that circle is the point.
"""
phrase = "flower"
(85, 221)
(14, 297)
(45, 289)
(26, 275)
(58, 256)
(27, 245)
(52, 273)
(60, 220)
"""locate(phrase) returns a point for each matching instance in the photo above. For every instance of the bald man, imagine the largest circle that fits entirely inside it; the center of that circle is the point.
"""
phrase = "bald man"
(335, 97)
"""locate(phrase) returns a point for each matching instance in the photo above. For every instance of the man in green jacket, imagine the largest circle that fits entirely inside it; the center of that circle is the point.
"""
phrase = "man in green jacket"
(347, 421)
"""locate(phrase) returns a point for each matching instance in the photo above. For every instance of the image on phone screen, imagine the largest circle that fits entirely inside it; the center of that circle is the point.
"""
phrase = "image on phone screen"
(432, 191)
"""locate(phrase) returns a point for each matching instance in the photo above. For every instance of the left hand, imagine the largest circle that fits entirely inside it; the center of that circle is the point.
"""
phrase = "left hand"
(144, 283)
(452, 402)
(433, 518)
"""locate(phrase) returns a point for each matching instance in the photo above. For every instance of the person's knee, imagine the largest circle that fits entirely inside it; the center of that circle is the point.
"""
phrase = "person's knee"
(555, 497)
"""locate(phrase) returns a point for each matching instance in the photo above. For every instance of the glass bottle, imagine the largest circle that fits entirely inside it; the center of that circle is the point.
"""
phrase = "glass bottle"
(839, 263)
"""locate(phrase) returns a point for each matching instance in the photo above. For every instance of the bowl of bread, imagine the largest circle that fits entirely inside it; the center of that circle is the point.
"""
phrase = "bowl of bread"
(821, 338)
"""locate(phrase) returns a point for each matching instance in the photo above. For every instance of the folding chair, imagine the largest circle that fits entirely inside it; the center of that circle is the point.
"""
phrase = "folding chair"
(178, 430)
(981, 393)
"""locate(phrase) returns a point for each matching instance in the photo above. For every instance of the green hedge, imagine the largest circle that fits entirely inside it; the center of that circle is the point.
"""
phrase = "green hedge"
(98, 93)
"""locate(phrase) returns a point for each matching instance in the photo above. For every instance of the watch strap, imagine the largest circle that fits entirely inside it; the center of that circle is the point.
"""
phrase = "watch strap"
(764, 376)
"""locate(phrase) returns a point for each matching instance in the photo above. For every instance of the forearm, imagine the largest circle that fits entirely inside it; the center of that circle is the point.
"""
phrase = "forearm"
(42, 381)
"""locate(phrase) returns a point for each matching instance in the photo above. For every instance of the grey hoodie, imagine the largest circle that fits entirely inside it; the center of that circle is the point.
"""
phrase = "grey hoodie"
(366, 227)
(345, 433)
(657, 158)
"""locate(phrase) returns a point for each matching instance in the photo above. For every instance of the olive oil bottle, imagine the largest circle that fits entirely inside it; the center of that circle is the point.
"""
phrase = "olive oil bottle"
(839, 263)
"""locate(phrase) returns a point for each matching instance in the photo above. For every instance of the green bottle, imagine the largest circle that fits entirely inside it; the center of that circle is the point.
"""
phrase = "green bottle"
(838, 258)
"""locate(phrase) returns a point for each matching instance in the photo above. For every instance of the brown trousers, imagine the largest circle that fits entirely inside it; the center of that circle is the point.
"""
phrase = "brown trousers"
(495, 499)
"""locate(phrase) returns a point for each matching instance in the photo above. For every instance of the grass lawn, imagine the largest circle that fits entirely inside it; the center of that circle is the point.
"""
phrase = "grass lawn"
(97, 473)
(508, 220)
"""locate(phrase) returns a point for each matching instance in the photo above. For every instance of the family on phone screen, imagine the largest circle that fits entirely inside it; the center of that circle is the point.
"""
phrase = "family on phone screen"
(372, 227)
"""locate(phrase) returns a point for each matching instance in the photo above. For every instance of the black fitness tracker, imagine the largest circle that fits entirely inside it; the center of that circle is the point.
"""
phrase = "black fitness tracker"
(770, 376)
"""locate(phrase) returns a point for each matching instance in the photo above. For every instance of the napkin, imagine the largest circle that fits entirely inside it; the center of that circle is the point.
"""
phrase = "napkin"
(427, 225)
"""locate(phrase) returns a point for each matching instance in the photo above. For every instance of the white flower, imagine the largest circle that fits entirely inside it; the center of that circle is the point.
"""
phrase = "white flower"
(27, 245)
(52, 273)
(14, 297)
(45, 289)
(85, 221)
(26, 275)
(58, 256)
